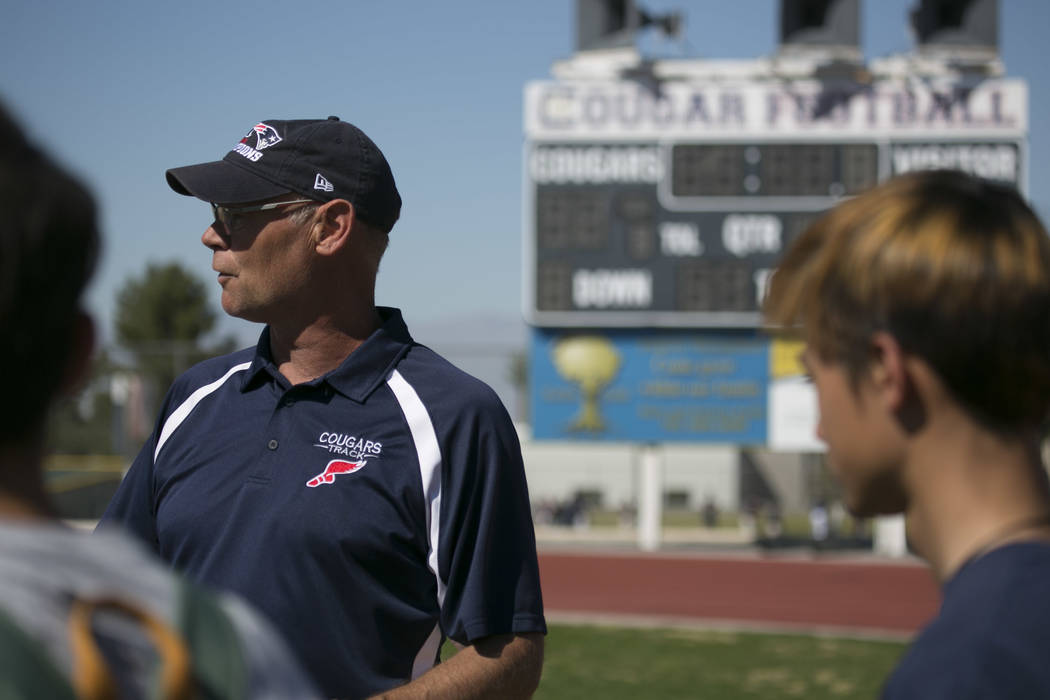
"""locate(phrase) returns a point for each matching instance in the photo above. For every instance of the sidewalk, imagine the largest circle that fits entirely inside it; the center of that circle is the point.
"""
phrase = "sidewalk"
(558, 535)
(712, 542)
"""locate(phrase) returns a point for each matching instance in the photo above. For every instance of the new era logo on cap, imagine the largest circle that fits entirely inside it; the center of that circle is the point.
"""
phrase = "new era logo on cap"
(279, 156)
(321, 184)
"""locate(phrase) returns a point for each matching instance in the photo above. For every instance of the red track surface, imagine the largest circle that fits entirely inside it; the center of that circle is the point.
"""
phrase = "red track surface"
(880, 597)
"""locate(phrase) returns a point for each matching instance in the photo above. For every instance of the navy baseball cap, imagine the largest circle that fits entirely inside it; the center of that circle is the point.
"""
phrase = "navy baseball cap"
(322, 159)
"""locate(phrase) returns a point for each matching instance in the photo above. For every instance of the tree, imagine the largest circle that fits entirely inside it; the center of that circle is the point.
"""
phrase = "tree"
(162, 318)
(166, 304)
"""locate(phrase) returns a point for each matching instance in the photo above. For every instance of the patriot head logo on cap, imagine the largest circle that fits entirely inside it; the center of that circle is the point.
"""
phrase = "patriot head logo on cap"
(265, 136)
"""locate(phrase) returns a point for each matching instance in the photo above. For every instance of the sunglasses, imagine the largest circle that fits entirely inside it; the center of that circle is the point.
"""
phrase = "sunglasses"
(227, 216)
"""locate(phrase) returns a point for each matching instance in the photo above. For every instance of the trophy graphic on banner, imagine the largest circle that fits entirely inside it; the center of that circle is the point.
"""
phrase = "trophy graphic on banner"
(590, 361)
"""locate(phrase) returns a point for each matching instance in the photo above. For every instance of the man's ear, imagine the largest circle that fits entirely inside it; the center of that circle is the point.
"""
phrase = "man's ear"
(888, 372)
(78, 362)
(333, 227)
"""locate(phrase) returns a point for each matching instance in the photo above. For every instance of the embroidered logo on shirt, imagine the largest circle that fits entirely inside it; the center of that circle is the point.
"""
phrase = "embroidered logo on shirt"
(335, 467)
(357, 452)
(348, 445)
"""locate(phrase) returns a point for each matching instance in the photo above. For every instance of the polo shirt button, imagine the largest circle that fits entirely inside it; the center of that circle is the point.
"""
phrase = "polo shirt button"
(272, 444)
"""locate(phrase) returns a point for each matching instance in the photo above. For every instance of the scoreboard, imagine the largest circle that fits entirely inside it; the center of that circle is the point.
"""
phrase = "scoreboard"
(668, 205)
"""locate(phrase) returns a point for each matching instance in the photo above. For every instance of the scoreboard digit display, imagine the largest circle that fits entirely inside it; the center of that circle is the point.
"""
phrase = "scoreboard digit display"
(671, 208)
(775, 170)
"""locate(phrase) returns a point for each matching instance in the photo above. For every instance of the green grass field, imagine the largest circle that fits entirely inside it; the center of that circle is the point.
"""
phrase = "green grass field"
(612, 663)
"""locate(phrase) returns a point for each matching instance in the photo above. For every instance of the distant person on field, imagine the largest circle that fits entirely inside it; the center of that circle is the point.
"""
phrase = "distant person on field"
(81, 615)
(709, 513)
(925, 305)
(818, 523)
(774, 528)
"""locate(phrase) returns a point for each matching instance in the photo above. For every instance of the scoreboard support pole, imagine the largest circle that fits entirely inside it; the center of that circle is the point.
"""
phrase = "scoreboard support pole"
(890, 536)
(650, 498)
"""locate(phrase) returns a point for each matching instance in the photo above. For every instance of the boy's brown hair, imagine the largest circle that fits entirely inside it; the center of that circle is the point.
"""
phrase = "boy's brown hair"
(957, 269)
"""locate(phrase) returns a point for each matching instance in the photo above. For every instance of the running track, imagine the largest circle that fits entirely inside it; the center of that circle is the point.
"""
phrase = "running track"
(856, 596)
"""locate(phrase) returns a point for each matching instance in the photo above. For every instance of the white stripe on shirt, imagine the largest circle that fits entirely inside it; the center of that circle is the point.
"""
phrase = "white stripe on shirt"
(429, 455)
(186, 407)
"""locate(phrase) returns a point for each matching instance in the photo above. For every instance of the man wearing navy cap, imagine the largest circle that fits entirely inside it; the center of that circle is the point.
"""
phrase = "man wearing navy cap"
(355, 486)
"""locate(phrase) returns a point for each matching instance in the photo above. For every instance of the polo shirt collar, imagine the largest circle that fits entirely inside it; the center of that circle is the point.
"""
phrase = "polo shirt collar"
(361, 372)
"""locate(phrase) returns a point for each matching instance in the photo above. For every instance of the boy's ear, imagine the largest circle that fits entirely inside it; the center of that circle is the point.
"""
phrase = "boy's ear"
(333, 227)
(78, 362)
(888, 372)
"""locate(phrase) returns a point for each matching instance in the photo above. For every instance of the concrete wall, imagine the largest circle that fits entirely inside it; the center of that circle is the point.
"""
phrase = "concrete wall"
(556, 471)
(788, 475)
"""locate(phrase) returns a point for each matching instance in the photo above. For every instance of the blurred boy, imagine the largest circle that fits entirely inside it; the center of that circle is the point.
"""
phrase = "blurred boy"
(925, 305)
(89, 615)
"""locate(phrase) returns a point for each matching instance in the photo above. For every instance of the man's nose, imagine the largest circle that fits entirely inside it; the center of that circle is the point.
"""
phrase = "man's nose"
(213, 239)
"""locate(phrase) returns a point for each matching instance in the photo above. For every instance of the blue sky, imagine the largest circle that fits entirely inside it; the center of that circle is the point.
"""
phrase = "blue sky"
(119, 91)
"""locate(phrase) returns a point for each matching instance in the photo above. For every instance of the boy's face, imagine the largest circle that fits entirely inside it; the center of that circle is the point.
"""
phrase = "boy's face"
(864, 450)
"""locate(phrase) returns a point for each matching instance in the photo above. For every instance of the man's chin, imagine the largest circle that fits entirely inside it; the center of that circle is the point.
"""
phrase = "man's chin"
(231, 308)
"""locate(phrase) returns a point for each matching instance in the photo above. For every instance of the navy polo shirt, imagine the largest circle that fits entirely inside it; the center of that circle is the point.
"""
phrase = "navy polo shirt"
(369, 513)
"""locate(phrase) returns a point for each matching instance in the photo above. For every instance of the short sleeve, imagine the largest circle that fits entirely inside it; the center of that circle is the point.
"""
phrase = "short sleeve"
(487, 545)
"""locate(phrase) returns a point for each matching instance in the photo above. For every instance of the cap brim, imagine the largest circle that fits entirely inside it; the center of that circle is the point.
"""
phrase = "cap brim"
(222, 183)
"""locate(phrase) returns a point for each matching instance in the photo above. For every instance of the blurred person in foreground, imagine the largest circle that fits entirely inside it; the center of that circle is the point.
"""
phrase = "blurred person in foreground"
(360, 490)
(80, 615)
(925, 307)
